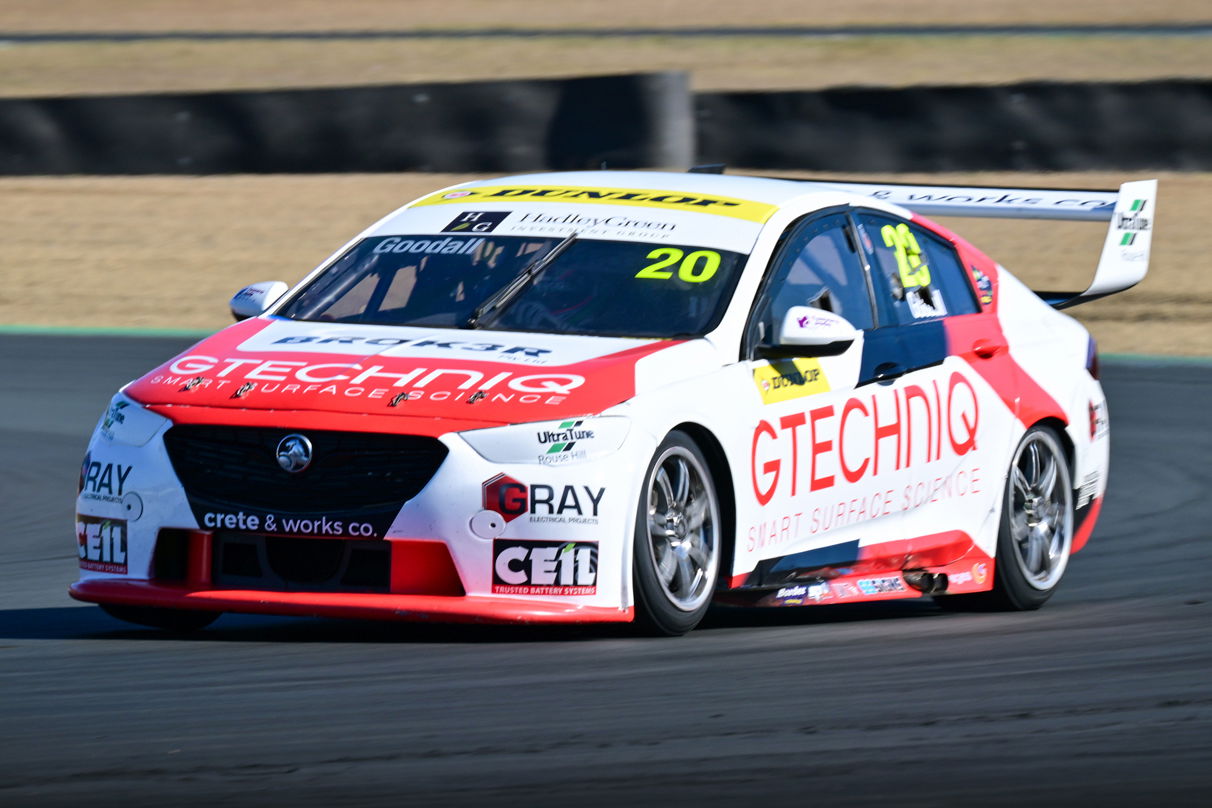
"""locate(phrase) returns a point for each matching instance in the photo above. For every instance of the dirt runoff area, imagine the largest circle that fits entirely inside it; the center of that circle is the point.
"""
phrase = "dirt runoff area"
(168, 252)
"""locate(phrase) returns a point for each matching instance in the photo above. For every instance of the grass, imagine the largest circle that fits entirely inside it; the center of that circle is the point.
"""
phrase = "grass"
(168, 252)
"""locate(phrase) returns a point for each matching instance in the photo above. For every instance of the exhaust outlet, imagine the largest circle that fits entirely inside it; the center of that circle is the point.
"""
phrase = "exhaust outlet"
(928, 583)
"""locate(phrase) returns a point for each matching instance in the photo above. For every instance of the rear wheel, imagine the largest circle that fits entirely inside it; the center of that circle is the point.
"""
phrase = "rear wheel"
(677, 539)
(1036, 532)
(177, 620)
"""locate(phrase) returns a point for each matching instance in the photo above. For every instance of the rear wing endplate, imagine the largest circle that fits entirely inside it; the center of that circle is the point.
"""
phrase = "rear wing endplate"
(1131, 211)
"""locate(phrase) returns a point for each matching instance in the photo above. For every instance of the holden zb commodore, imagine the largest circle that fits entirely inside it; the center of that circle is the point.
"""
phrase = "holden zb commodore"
(617, 396)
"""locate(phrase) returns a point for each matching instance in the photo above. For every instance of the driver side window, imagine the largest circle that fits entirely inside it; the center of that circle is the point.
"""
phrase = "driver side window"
(817, 266)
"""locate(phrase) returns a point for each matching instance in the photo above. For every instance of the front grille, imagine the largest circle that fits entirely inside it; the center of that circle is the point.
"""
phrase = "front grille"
(279, 564)
(350, 471)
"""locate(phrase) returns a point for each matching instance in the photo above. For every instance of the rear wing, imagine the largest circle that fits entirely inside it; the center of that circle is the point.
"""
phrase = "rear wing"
(1130, 210)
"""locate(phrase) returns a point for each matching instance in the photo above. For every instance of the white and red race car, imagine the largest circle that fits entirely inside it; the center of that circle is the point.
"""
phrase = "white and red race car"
(607, 396)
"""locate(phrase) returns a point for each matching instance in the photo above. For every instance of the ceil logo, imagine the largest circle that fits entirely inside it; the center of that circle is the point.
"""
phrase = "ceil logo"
(512, 498)
(543, 567)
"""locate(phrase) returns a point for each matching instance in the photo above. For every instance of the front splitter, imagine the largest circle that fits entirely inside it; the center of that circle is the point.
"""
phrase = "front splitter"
(362, 606)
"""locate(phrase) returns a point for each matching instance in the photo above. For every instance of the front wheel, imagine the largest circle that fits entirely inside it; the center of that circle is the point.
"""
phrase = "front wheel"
(677, 539)
(1036, 532)
(175, 620)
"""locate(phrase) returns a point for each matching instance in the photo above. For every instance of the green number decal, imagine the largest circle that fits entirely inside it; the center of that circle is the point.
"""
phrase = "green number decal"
(697, 267)
(690, 272)
(671, 256)
(909, 261)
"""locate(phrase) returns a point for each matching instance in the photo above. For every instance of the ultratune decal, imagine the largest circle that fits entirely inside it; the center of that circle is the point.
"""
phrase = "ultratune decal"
(673, 200)
(785, 379)
(101, 544)
(544, 567)
(114, 416)
(1134, 221)
(559, 445)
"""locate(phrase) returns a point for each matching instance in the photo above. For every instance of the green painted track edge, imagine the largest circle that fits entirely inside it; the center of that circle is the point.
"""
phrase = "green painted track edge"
(87, 331)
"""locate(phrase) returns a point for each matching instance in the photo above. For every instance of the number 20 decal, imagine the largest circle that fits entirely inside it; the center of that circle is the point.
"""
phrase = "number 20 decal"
(695, 267)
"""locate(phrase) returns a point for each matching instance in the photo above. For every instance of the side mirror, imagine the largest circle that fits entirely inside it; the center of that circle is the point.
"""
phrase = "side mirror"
(806, 326)
(252, 300)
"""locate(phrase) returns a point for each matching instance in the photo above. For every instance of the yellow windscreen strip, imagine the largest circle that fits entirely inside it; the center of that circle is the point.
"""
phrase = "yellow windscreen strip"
(645, 198)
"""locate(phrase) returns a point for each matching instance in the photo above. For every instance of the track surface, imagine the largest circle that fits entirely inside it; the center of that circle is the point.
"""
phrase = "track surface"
(1101, 698)
(1199, 29)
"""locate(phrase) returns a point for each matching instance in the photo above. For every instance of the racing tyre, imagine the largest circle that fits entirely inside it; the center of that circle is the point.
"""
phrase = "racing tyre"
(677, 539)
(1036, 532)
(176, 620)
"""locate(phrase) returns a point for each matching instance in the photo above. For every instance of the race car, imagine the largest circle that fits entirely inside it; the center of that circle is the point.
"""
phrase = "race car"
(621, 396)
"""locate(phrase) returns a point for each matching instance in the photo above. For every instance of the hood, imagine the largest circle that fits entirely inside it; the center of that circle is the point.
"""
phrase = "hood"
(486, 376)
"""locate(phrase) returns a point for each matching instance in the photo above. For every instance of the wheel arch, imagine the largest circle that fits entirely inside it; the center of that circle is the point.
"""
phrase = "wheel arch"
(1062, 430)
(721, 473)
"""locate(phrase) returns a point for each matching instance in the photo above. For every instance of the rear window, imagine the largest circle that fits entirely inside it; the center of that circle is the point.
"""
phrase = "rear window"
(919, 272)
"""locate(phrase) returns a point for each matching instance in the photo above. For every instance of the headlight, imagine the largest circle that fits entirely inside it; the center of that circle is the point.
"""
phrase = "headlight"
(550, 443)
(126, 421)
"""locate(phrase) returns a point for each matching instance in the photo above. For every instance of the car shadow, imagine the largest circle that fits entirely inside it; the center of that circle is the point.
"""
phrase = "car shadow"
(81, 622)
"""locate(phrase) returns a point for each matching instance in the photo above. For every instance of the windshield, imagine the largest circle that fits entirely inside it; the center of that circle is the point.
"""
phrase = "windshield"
(604, 288)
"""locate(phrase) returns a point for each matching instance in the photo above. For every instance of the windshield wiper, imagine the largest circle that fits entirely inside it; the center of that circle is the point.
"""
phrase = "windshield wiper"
(495, 305)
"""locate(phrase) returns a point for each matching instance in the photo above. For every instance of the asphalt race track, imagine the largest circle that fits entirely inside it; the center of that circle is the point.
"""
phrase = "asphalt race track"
(1104, 697)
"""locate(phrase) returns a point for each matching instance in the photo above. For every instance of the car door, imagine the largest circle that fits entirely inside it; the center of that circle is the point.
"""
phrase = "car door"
(822, 487)
(948, 416)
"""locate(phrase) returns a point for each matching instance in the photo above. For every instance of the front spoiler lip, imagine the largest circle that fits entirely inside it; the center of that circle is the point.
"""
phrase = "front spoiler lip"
(362, 606)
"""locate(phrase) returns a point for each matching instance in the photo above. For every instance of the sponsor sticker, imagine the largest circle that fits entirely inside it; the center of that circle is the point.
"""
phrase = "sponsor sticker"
(801, 594)
(536, 222)
(959, 578)
(559, 445)
(101, 543)
(567, 504)
(242, 376)
(791, 595)
(984, 286)
(1088, 490)
(476, 221)
(784, 380)
(368, 344)
(948, 413)
(286, 524)
(648, 198)
(544, 567)
(1099, 423)
(428, 246)
(114, 416)
(107, 483)
(880, 586)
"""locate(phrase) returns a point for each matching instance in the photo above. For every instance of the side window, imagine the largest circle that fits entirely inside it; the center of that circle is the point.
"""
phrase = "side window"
(817, 266)
(916, 274)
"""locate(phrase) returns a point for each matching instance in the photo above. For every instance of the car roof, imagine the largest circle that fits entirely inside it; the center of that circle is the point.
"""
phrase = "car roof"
(757, 189)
